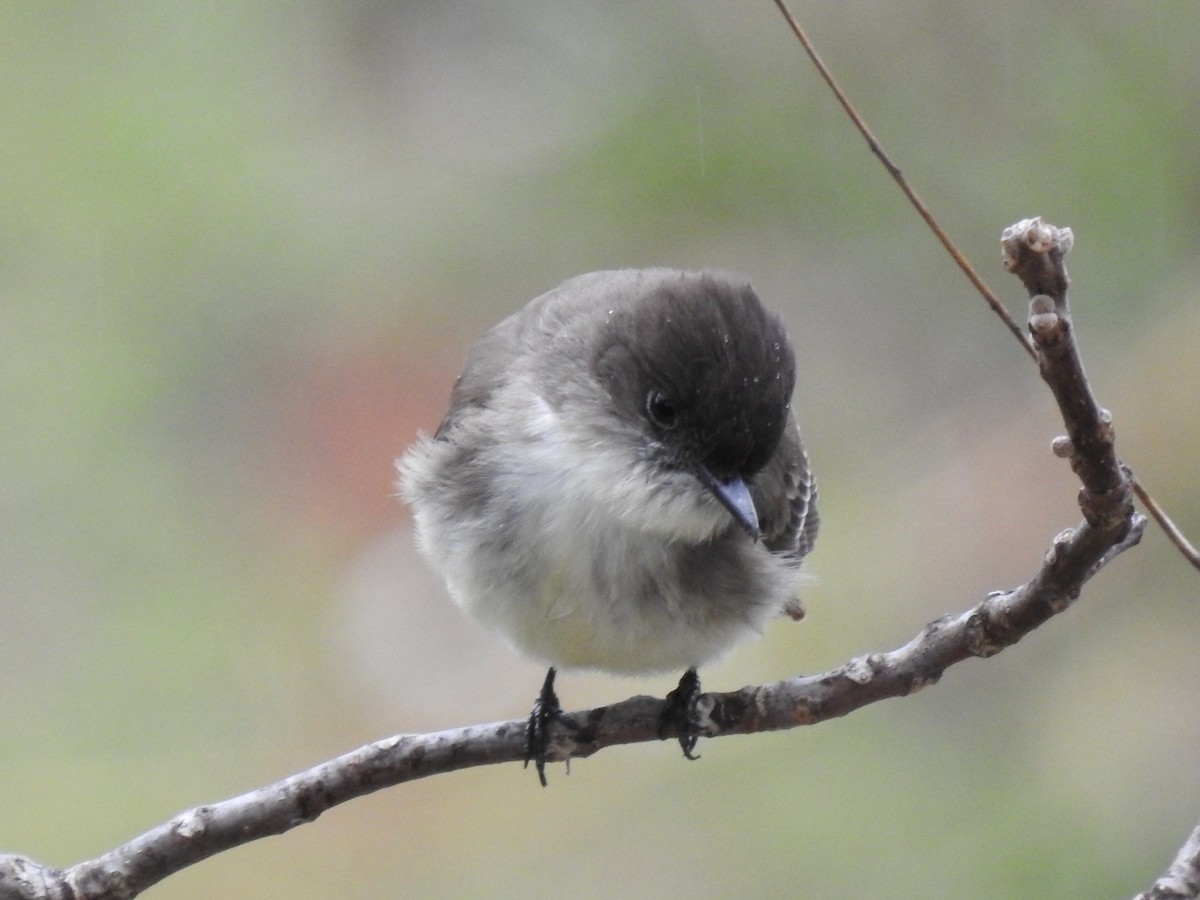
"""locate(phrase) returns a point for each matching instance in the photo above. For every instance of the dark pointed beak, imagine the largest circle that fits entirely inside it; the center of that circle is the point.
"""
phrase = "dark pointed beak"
(735, 497)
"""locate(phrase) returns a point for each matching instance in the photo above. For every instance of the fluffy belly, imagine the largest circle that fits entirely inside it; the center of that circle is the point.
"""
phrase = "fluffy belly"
(642, 609)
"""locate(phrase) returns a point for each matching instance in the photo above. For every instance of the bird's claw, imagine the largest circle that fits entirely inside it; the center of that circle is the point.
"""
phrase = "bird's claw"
(679, 714)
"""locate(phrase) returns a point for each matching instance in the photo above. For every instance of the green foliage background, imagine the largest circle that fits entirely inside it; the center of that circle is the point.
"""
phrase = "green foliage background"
(243, 248)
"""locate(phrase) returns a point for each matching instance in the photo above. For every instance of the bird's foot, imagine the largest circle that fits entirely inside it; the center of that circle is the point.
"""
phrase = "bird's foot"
(546, 710)
(679, 715)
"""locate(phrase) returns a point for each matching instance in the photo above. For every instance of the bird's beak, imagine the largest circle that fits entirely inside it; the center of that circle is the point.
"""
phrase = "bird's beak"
(735, 497)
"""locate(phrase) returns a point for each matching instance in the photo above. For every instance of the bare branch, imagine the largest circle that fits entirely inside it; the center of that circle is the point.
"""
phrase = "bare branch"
(902, 182)
(1167, 524)
(203, 831)
(1170, 529)
(998, 622)
(1035, 252)
(1182, 879)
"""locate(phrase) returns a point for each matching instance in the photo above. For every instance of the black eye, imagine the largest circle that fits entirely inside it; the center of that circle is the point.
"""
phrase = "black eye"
(661, 409)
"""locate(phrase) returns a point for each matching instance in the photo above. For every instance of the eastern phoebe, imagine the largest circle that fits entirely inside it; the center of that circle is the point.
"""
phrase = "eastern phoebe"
(619, 483)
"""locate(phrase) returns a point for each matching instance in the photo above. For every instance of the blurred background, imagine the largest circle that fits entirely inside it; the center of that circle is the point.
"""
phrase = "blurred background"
(243, 249)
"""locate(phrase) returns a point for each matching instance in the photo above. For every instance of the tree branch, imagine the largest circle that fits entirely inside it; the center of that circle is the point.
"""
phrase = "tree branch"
(1182, 879)
(1170, 529)
(1034, 251)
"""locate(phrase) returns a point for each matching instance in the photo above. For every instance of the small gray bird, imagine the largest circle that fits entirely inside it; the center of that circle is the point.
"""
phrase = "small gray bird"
(619, 483)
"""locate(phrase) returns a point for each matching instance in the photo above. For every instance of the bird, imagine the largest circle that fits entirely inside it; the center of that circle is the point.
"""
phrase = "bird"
(619, 483)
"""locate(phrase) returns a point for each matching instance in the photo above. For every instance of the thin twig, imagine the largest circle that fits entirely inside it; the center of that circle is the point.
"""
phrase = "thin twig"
(918, 204)
(1182, 879)
(1170, 529)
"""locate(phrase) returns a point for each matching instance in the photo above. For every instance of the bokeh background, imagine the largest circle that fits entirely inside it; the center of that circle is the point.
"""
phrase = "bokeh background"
(243, 249)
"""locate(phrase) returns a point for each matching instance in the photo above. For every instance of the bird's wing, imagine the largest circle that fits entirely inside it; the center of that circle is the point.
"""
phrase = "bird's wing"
(785, 495)
(488, 361)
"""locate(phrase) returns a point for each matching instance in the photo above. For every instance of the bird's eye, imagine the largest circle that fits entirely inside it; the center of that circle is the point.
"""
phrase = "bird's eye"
(661, 409)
